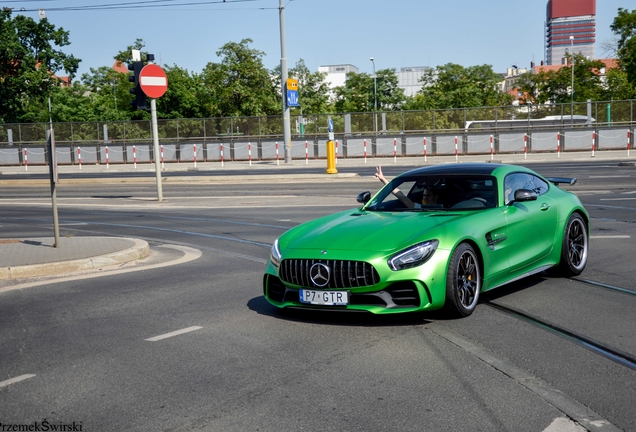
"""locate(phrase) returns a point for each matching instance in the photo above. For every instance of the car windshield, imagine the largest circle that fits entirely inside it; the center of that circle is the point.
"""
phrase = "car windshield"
(436, 193)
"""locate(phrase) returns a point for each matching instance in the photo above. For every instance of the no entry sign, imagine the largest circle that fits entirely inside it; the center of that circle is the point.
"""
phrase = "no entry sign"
(153, 81)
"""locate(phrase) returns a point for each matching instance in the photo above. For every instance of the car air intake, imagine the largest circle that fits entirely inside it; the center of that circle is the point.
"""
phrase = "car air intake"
(342, 274)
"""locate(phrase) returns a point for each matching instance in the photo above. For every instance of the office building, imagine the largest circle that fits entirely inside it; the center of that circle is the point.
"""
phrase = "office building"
(566, 19)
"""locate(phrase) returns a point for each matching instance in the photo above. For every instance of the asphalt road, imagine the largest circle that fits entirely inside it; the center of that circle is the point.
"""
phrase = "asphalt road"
(100, 351)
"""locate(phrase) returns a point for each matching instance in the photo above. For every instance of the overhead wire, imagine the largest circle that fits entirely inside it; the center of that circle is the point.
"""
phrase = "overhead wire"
(130, 5)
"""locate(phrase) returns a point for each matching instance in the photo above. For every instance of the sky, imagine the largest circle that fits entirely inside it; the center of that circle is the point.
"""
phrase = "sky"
(396, 33)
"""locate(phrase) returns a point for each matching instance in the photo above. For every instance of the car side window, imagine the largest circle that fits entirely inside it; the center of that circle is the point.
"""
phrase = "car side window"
(516, 181)
(539, 186)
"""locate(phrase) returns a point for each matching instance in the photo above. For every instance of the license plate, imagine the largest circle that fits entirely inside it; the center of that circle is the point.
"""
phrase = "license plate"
(324, 298)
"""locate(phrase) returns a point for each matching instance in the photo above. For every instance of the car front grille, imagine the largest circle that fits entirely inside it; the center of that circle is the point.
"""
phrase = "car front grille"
(342, 274)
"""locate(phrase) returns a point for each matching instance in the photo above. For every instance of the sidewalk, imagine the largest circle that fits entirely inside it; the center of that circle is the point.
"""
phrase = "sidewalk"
(36, 257)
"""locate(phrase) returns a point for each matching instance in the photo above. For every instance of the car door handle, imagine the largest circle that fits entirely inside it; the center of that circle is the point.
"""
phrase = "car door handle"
(545, 206)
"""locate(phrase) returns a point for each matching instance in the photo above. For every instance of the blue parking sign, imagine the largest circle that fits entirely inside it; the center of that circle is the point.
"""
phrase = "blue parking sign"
(292, 98)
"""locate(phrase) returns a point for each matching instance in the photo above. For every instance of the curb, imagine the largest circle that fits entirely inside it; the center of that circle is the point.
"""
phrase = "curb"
(140, 250)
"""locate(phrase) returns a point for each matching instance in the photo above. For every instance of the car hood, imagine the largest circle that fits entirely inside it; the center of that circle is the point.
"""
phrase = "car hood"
(366, 230)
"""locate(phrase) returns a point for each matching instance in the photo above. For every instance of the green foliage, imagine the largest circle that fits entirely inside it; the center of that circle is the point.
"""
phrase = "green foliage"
(618, 86)
(125, 56)
(185, 97)
(554, 86)
(362, 92)
(624, 26)
(356, 95)
(29, 58)
(240, 85)
(454, 86)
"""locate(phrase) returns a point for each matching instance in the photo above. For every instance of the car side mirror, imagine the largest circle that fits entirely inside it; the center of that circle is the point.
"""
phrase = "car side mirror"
(364, 197)
(522, 195)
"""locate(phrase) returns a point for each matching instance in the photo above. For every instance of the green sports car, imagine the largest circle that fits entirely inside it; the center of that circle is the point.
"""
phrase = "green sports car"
(433, 237)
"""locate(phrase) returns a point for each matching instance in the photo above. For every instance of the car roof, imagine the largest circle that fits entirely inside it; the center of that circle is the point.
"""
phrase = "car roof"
(466, 169)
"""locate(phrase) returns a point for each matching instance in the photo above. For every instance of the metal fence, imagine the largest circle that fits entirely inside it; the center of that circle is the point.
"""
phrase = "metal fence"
(401, 133)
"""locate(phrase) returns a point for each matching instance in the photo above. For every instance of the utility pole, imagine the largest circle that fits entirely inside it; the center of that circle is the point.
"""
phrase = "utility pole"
(283, 73)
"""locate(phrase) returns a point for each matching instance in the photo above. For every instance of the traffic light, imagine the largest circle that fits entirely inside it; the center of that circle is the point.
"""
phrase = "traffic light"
(139, 98)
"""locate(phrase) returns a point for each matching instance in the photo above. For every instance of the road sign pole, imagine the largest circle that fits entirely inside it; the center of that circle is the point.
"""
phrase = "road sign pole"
(155, 143)
(50, 141)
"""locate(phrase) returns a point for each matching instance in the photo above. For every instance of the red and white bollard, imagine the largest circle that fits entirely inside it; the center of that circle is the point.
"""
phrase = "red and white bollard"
(525, 146)
(222, 158)
(306, 153)
(365, 151)
(492, 149)
(249, 152)
(456, 151)
(558, 145)
(424, 149)
(26, 161)
(107, 157)
(394, 150)
(593, 142)
(277, 159)
(79, 157)
(134, 157)
(194, 150)
(161, 149)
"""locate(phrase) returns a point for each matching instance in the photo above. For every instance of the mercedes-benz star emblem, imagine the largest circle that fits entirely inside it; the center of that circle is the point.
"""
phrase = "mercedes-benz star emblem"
(319, 274)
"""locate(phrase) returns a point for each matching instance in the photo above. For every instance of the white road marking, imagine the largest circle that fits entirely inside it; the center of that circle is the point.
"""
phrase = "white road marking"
(174, 333)
(609, 236)
(563, 424)
(15, 380)
(618, 199)
(609, 176)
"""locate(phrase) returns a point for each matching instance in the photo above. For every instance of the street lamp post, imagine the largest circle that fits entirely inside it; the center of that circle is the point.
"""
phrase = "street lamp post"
(375, 98)
(572, 91)
(283, 74)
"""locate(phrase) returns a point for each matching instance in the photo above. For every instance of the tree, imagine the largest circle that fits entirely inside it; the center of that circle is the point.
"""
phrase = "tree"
(454, 86)
(29, 60)
(109, 91)
(617, 86)
(126, 55)
(624, 26)
(554, 86)
(240, 85)
(390, 96)
(186, 95)
(361, 92)
(356, 95)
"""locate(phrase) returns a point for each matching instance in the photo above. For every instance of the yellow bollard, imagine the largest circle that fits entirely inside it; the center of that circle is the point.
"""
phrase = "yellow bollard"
(331, 158)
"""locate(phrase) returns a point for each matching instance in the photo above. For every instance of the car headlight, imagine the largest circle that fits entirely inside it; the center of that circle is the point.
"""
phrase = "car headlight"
(275, 255)
(413, 256)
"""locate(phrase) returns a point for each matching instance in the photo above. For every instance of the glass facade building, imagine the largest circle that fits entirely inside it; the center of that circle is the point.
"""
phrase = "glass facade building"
(565, 19)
